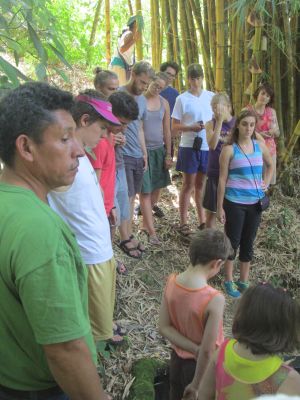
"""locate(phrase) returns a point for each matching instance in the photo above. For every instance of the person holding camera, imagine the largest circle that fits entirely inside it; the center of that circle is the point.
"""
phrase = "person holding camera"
(192, 110)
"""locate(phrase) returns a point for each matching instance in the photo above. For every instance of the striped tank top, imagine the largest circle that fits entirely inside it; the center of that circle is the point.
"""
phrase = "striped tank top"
(243, 184)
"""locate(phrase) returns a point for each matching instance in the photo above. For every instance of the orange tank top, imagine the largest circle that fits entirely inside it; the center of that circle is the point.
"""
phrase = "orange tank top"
(186, 309)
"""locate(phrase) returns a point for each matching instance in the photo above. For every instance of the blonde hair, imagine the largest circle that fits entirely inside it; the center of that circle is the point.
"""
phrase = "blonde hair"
(220, 97)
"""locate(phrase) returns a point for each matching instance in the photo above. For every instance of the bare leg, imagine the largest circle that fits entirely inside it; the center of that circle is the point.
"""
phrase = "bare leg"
(155, 195)
(130, 221)
(199, 189)
(146, 207)
(228, 270)
(185, 196)
(244, 271)
(210, 219)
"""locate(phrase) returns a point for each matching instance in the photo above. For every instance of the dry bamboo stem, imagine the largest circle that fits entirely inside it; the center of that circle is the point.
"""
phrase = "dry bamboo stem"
(107, 27)
(139, 42)
(220, 77)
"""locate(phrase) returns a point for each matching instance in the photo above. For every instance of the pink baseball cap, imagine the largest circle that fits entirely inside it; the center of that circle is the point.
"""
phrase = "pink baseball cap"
(102, 107)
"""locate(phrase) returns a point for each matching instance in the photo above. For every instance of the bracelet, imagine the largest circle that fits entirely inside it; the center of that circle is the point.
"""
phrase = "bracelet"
(114, 207)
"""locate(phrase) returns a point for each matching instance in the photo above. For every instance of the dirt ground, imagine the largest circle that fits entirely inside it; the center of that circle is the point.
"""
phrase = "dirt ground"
(277, 260)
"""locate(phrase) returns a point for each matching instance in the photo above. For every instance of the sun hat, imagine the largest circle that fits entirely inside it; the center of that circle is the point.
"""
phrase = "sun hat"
(103, 108)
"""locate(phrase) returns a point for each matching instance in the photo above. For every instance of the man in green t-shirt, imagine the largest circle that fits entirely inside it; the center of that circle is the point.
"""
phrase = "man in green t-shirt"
(46, 347)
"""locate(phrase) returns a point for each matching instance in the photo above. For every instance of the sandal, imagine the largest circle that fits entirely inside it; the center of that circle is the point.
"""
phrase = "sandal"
(115, 342)
(202, 226)
(139, 245)
(153, 239)
(157, 211)
(119, 330)
(121, 269)
(129, 250)
(185, 231)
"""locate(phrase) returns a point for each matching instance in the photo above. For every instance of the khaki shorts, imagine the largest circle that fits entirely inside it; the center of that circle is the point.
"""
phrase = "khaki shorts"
(101, 292)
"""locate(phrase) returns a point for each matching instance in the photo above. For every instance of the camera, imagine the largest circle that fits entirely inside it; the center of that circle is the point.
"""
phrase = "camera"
(197, 143)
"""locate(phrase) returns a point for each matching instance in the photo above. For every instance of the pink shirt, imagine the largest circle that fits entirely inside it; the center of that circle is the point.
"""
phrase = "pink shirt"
(265, 122)
(186, 309)
(106, 162)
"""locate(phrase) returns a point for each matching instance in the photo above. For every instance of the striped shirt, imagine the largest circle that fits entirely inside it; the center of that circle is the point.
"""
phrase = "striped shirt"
(243, 185)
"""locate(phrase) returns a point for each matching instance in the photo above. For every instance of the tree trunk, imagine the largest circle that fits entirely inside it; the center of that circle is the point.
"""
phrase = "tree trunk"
(107, 26)
(139, 42)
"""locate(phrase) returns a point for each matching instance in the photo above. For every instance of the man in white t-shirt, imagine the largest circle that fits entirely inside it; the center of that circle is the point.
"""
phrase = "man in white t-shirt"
(191, 111)
(81, 206)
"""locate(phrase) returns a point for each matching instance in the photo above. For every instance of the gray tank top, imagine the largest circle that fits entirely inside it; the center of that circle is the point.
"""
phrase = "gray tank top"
(153, 127)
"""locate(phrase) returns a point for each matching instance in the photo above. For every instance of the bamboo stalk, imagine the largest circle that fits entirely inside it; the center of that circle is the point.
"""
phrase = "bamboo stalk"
(94, 30)
(130, 7)
(194, 58)
(168, 29)
(204, 48)
(107, 35)
(290, 67)
(212, 33)
(220, 45)
(139, 42)
(173, 16)
(184, 30)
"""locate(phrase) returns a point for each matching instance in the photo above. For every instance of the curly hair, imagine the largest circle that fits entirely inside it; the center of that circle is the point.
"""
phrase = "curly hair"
(124, 105)
(28, 110)
(171, 64)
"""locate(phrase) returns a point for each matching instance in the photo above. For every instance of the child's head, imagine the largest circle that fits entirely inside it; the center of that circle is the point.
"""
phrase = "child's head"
(209, 245)
(267, 320)
(223, 99)
(195, 76)
(158, 82)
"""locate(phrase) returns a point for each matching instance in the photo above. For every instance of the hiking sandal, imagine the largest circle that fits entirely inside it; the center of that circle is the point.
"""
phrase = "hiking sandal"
(129, 250)
(139, 245)
(185, 231)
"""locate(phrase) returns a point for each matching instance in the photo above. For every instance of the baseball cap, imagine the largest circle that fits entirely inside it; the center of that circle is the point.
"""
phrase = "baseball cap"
(102, 107)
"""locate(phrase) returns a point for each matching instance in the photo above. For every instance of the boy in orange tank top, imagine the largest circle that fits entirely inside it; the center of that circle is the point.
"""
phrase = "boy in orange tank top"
(191, 313)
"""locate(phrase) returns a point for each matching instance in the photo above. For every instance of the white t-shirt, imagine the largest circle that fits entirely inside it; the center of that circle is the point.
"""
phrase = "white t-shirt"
(190, 109)
(81, 207)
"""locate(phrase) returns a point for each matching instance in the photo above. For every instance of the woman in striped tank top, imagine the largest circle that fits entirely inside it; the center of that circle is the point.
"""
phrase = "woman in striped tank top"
(241, 185)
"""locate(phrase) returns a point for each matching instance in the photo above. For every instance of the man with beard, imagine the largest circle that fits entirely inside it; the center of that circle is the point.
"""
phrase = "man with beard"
(134, 151)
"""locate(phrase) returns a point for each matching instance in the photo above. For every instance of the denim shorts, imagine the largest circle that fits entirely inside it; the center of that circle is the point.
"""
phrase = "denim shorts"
(121, 196)
(191, 161)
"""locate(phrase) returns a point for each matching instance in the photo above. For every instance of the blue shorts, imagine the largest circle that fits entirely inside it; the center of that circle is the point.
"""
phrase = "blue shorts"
(121, 196)
(191, 161)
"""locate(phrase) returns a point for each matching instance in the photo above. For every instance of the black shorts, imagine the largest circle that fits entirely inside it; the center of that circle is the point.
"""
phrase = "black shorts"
(210, 195)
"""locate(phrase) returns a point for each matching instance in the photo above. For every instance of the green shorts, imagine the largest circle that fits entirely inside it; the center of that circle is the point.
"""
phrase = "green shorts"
(156, 176)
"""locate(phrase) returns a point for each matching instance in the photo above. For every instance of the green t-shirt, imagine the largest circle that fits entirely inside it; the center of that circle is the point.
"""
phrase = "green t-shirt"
(43, 289)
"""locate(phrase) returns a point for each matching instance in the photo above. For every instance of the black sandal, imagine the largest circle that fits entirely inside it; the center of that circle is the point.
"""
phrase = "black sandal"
(128, 251)
(141, 249)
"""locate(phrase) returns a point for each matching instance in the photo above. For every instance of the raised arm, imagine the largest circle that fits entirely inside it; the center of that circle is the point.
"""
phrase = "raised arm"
(225, 157)
(213, 133)
(169, 332)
